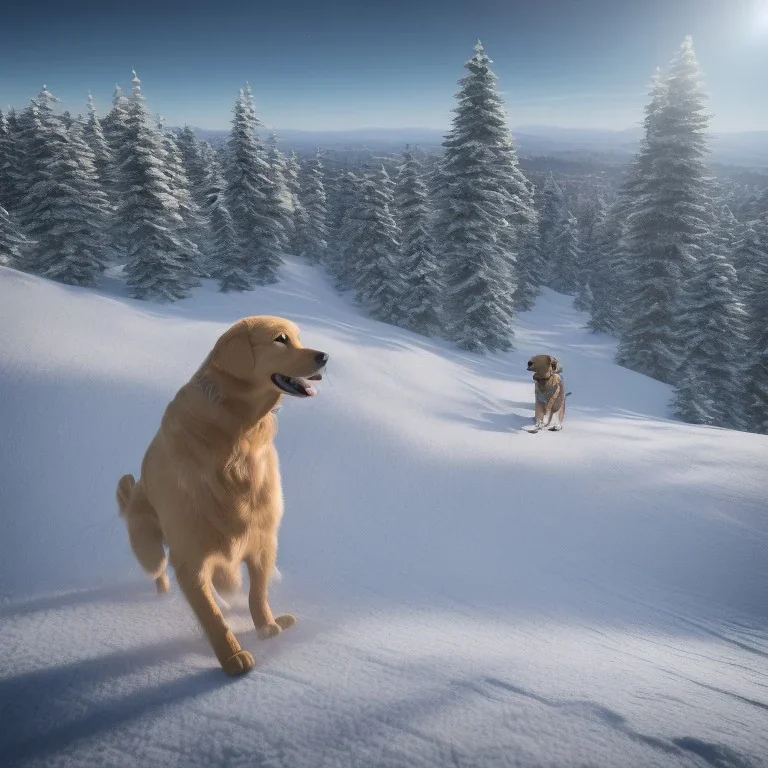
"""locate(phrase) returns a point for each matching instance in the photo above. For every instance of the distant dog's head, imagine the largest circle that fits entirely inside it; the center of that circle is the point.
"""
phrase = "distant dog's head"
(543, 366)
(266, 353)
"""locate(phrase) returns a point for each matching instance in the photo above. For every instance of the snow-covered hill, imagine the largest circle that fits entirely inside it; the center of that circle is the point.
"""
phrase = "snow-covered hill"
(468, 594)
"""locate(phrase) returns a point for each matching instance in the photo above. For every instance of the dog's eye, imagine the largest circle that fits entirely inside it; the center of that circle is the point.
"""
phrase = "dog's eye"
(282, 339)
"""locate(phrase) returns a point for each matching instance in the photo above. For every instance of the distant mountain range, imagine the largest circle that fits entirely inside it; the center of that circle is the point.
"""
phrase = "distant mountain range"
(747, 149)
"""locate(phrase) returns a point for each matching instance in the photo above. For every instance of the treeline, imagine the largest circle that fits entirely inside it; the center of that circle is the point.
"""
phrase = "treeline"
(454, 245)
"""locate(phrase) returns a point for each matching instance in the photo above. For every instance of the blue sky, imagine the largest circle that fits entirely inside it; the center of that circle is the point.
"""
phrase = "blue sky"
(361, 63)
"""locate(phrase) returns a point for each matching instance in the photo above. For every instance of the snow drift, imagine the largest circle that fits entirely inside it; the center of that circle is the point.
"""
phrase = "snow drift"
(467, 593)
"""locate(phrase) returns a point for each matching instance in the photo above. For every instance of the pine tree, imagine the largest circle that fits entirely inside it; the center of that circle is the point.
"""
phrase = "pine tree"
(278, 172)
(226, 264)
(194, 163)
(12, 241)
(64, 211)
(115, 124)
(755, 400)
(157, 251)
(424, 288)
(102, 153)
(474, 208)
(566, 256)
(292, 175)
(311, 227)
(192, 229)
(346, 259)
(708, 383)
(253, 196)
(666, 227)
(606, 284)
(553, 213)
(378, 279)
(591, 226)
(10, 171)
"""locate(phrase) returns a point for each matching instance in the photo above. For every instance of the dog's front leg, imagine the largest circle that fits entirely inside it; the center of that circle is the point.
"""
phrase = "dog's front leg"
(260, 568)
(195, 584)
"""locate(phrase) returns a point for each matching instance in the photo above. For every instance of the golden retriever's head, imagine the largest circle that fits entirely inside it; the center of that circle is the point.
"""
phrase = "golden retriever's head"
(543, 366)
(265, 352)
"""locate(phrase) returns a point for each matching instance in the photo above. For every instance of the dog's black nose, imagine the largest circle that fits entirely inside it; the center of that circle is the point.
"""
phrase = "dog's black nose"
(321, 358)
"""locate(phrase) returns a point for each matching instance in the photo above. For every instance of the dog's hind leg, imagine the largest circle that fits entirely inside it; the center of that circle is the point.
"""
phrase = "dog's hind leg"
(144, 530)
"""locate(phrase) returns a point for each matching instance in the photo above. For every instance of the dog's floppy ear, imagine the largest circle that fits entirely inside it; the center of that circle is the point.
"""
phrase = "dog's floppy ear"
(233, 353)
(553, 363)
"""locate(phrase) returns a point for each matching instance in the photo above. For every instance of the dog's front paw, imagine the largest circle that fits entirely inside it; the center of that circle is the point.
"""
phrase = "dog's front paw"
(277, 626)
(238, 664)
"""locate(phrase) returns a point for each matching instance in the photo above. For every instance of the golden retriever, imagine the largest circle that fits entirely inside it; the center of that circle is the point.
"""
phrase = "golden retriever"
(210, 483)
(549, 392)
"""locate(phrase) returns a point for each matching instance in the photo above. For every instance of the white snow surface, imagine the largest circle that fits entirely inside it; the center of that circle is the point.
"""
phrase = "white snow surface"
(468, 594)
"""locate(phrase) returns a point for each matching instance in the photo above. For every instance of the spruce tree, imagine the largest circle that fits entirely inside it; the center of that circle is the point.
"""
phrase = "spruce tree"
(606, 284)
(10, 165)
(708, 384)
(311, 239)
(378, 278)
(278, 172)
(226, 258)
(666, 226)
(253, 196)
(566, 256)
(157, 252)
(346, 259)
(553, 212)
(591, 226)
(12, 241)
(424, 288)
(755, 399)
(292, 176)
(65, 211)
(193, 229)
(102, 153)
(474, 207)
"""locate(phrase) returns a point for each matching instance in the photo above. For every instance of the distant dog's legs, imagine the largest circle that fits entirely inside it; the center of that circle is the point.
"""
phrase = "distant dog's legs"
(144, 531)
(260, 570)
(539, 413)
(195, 584)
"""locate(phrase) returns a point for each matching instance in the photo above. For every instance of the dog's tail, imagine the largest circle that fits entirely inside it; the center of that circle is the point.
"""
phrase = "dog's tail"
(125, 487)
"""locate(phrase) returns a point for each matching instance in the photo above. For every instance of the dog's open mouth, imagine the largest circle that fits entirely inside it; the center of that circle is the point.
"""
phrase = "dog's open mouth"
(295, 385)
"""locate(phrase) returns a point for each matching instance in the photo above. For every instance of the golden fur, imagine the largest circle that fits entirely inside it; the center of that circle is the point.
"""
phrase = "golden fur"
(548, 391)
(210, 483)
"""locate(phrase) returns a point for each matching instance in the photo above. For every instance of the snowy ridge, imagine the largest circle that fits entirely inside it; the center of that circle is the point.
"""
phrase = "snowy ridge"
(467, 594)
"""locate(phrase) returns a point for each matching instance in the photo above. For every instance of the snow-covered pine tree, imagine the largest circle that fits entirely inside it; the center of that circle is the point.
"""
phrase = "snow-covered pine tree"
(755, 399)
(591, 226)
(253, 198)
(292, 176)
(311, 239)
(64, 212)
(193, 228)
(157, 250)
(226, 258)
(345, 258)
(378, 278)
(9, 172)
(474, 207)
(278, 171)
(606, 285)
(709, 381)
(115, 122)
(12, 241)
(524, 222)
(666, 226)
(102, 152)
(566, 257)
(194, 162)
(424, 288)
(552, 214)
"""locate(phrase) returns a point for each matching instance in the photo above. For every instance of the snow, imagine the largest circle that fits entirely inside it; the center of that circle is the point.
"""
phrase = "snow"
(468, 594)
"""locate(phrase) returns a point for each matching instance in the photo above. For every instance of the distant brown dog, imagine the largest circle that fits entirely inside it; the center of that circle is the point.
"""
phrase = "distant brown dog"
(210, 483)
(549, 391)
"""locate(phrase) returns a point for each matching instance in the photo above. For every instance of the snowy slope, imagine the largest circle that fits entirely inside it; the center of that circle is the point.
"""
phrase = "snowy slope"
(467, 594)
